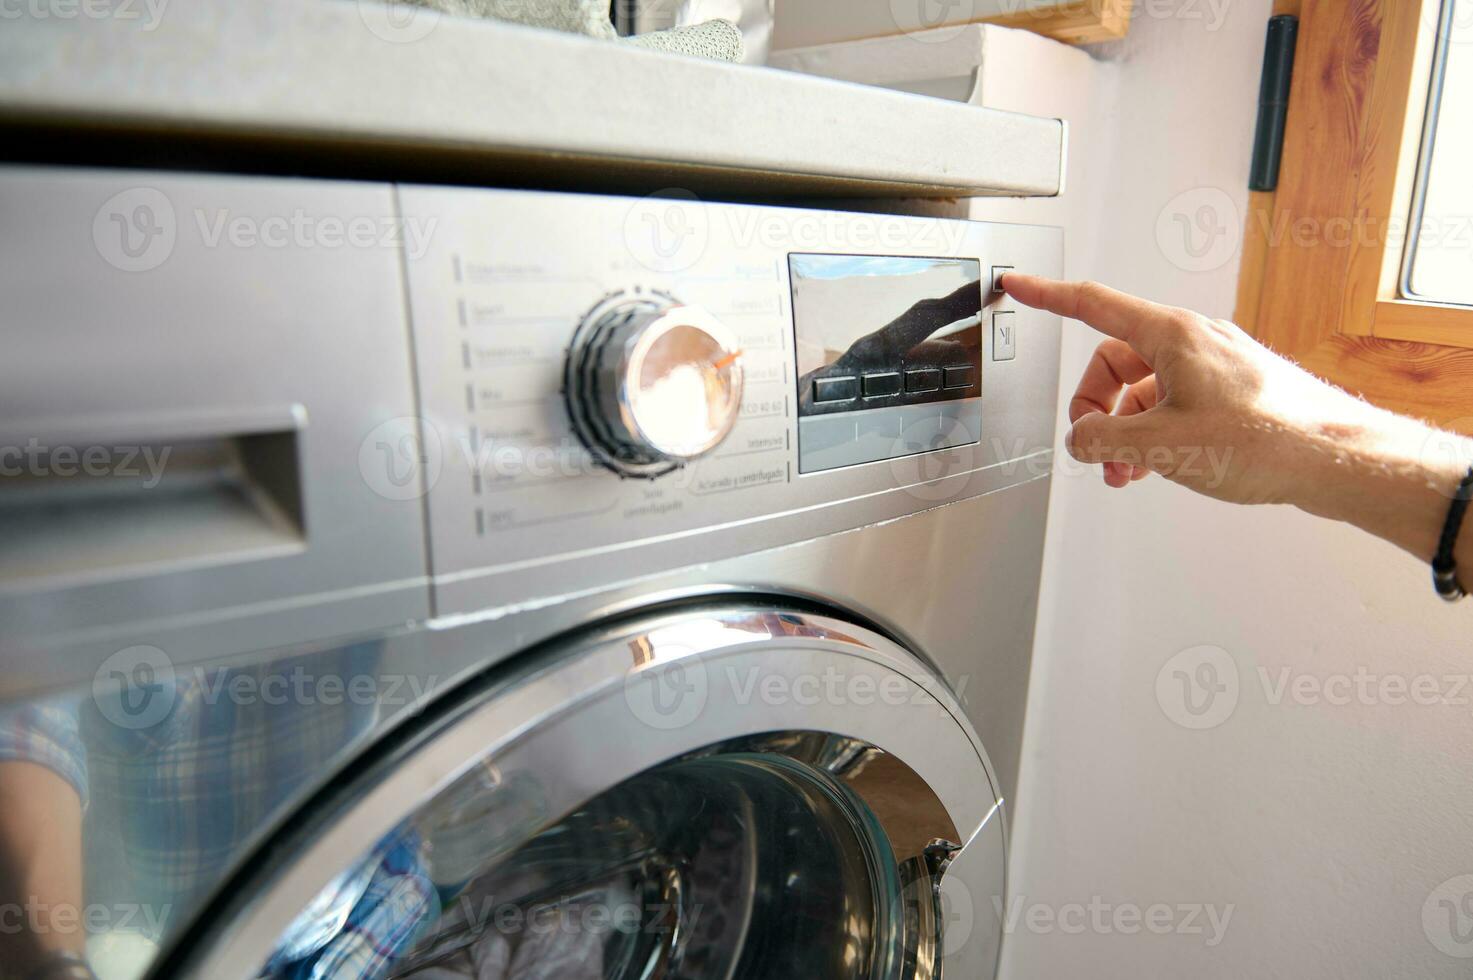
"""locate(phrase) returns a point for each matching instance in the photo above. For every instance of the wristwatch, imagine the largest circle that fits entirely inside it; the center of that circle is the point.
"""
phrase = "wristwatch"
(1444, 565)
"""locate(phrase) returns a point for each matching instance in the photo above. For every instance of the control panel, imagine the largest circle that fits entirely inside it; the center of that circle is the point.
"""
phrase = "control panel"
(889, 353)
(619, 386)
(472, 400)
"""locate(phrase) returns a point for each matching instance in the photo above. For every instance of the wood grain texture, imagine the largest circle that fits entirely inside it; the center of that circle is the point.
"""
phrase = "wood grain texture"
(1328, 278)
(1329, 109)
(1253, 265)
(1387, 163)
(1082, 22)
(1427, 323)
(1421, 380)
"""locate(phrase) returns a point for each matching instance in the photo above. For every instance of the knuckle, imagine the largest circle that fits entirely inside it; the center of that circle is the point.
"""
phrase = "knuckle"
(1091, 291)
(1185, 322)
(1080, 406)
(1183, 328)
(1074, 443)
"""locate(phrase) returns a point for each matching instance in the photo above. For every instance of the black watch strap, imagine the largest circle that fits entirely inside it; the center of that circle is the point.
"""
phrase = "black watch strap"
(1445, 565)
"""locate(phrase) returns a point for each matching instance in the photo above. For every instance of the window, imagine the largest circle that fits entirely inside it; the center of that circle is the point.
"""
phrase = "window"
(1440, 254)
(1374, 290)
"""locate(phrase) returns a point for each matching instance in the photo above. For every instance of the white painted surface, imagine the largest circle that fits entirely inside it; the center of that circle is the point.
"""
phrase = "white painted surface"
(946, 67)
(1327, 827)
(800, 23)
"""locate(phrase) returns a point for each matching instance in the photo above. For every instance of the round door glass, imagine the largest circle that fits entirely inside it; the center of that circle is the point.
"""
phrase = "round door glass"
(739, 865)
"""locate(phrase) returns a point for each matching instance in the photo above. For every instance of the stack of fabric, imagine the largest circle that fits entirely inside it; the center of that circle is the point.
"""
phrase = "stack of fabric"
(720, 40)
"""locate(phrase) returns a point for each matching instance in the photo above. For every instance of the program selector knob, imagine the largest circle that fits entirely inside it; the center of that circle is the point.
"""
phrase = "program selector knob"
(652, 384)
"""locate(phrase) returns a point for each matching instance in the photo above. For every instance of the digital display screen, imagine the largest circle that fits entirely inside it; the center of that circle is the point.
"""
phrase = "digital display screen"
(889, 353)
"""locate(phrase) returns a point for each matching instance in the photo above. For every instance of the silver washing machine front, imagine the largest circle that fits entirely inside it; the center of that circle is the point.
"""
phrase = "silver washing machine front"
(441, 582)
(670, 797)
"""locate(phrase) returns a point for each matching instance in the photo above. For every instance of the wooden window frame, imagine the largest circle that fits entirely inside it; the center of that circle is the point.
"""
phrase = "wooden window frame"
(1322, 255)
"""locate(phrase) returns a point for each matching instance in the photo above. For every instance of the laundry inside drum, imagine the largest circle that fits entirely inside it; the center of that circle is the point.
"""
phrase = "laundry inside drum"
(726, 866)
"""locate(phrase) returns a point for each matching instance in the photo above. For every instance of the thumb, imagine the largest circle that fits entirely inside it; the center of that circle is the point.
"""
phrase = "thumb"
(1101, 438)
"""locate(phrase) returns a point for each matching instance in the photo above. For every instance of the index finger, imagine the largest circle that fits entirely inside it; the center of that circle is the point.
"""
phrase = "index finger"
(1138, 322)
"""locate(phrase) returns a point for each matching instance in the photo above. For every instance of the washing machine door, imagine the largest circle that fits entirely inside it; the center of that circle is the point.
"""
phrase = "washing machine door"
(754, 792)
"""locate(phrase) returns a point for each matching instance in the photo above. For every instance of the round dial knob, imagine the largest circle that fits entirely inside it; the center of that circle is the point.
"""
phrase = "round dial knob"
(652, 384)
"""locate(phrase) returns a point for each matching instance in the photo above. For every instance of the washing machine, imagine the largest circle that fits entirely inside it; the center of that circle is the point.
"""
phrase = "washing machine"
(435, 581)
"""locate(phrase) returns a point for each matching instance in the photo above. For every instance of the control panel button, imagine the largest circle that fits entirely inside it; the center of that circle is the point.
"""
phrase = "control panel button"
(835, 389)
(998, 271)
(961, 376)
(876, 385)
(923, 379)
(1004, 336)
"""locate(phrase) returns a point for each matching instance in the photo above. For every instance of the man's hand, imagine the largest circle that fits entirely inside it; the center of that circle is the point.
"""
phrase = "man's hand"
(1205, 405)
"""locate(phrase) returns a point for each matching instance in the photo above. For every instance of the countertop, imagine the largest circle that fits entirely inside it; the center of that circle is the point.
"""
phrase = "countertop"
(341, 87)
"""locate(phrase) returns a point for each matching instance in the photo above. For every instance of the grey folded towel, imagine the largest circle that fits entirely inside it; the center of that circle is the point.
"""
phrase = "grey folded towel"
(720, 40)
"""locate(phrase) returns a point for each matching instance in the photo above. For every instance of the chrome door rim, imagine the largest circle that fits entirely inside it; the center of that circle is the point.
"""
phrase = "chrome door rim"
(586, 682)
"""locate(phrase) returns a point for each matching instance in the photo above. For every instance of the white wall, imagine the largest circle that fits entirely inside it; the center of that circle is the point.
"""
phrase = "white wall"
(1325, 827)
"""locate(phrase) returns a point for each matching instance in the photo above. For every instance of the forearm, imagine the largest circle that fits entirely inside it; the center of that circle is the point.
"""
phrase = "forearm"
(1392, 477)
